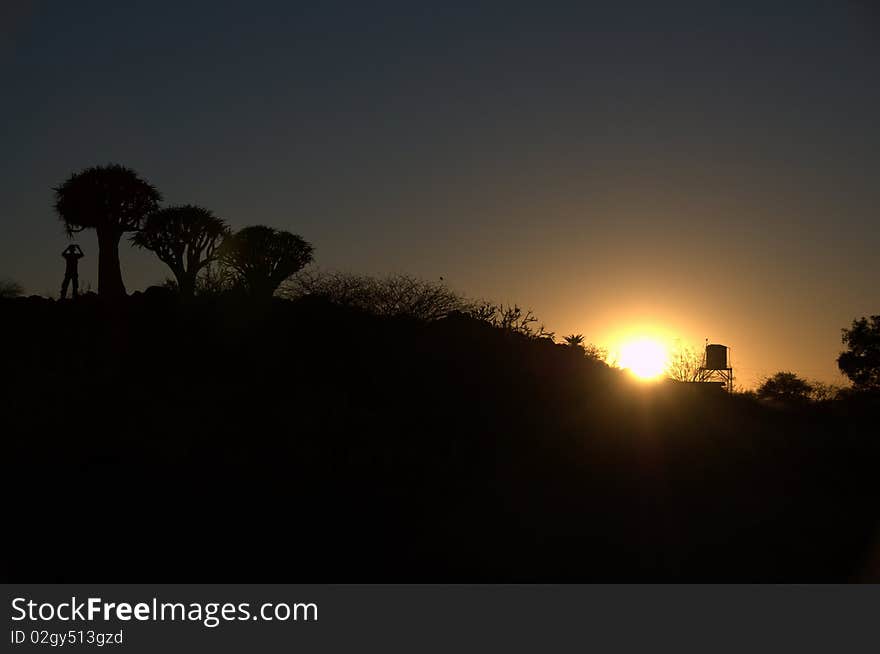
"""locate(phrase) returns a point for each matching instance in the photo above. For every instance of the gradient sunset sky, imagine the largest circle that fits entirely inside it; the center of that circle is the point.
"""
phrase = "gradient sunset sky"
(688, 170)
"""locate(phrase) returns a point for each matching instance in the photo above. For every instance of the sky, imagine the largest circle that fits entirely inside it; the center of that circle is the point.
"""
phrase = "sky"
(682, 170)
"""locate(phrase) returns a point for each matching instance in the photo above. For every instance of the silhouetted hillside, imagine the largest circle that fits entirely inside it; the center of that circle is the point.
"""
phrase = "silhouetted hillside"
(303, 441)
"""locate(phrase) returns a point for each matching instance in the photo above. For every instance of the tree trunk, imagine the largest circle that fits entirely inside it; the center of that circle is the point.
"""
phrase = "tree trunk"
(109, 273)
(186, 284)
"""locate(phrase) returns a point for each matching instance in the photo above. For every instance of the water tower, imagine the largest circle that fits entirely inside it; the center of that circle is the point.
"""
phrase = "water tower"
(716, 365)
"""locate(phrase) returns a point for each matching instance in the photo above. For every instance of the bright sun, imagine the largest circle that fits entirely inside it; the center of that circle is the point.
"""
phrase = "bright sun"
(644, 358)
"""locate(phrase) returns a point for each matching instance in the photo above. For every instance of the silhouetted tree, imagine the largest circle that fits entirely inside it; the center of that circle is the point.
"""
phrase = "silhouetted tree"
(785, 387)
(861, 361)
(111, 200)
(575, 341)
(686, 365)
(262, 257)
(10, 288)
(185, 238)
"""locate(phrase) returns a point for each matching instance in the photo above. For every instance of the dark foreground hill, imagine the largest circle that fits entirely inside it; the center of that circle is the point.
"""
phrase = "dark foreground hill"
(307, 442)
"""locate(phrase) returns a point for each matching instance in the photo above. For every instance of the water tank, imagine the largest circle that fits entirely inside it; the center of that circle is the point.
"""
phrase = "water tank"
(716, 357)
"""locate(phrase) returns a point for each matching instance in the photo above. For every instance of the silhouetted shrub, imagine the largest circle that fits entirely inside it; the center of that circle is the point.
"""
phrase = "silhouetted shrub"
(394, 295)
(596, 352)
(10, 288)
(686, 365)
(785, 387)
(213, 281)
(578, 343)
(823, 392)
(511, 319)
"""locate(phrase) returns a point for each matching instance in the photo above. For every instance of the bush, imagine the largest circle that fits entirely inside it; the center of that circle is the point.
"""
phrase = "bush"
(213, 280)
(392, 296)
(785, 387)
(510, 319)
(9, 289)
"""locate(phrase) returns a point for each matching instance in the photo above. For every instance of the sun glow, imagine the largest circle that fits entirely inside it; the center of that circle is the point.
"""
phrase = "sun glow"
(644, 358)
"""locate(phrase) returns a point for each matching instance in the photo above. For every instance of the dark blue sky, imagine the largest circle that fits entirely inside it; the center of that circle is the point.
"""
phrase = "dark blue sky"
(696, 169)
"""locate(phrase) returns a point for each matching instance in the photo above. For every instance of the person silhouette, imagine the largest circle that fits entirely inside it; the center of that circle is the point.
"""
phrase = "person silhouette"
(72, 254)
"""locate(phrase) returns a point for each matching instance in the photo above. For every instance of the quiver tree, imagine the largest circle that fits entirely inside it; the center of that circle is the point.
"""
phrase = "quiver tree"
(112, 200)
(185, 238)
(262, 258)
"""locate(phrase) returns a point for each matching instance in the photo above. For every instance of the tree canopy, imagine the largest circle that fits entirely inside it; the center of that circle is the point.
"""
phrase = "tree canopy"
(262, 257)
(861, 360)
(111, 200)
(109, 197)
(186, 238)
(785, 387)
